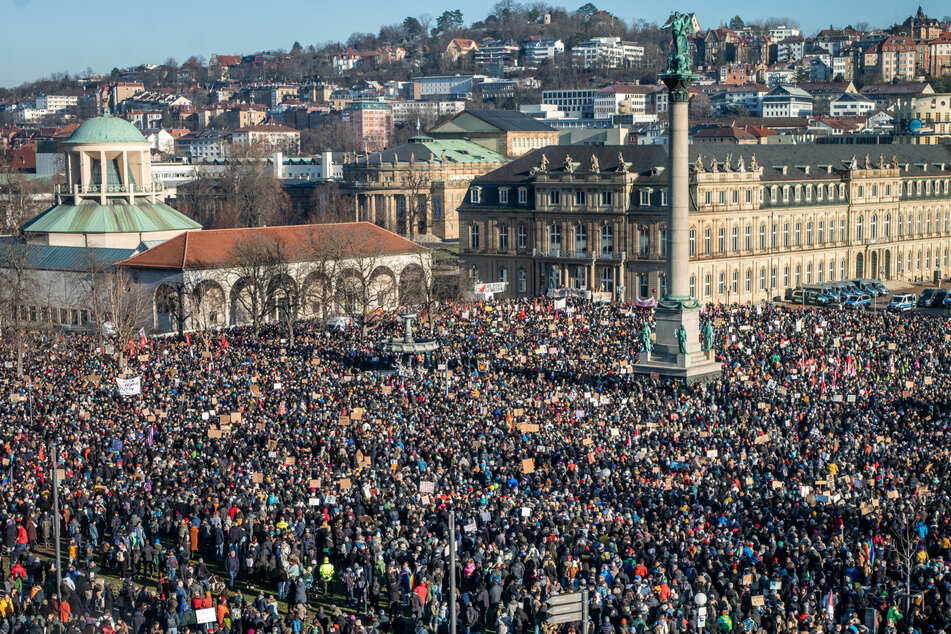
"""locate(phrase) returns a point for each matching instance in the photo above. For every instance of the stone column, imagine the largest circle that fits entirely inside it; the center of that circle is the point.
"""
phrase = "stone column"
(678, 249)
(102, 177)
(677, 316)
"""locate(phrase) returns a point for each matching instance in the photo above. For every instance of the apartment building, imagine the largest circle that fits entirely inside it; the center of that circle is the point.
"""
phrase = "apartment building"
(607, 52)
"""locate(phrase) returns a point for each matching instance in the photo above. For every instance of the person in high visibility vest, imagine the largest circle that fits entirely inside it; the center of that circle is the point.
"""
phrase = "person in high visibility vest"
(326, 572)
(725, 622)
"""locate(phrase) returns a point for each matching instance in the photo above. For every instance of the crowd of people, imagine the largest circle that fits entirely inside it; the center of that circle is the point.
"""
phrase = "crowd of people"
(254, 486)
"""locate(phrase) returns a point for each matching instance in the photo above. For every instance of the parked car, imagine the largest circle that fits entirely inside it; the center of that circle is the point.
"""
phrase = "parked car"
(872, 287)
(902, 302)
(858, 301)
(947, 300)
(932, 297)
(817, 297)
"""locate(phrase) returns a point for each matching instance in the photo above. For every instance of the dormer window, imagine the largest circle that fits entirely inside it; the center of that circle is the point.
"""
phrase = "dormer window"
(645, 198)
(522, 195)
(475, 195)
(503, 195)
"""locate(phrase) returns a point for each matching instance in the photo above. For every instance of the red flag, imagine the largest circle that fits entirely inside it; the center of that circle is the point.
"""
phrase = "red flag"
(224, 342)
(188, 340)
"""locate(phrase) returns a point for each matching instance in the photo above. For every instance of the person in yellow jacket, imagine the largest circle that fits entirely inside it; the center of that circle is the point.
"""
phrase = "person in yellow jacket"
(326, 572)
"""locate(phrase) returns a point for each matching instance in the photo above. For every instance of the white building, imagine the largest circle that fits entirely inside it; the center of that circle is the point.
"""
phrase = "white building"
(787, 101)
(55, 103)
(537, 51)
(205, 144)
(606, 52)
(363, 255)
(451, 86)
(410, 111)
(273, 136)
(620, 99)
(161, 141)
(782, 31)
(574, 103)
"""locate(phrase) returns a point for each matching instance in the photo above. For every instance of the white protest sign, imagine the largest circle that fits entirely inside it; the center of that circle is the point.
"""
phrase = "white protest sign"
(129, 387)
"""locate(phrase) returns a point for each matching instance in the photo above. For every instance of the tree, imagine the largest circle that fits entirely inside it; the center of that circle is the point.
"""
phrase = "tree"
(906, 540)
(736, 23)
(412, 27)
(417, 201)
(253, 197)
(257, 259)
(329, 204)
(18, 196)
(586, 11)
(94, 293)
(449, 21)
(17, 282)
(130, 308)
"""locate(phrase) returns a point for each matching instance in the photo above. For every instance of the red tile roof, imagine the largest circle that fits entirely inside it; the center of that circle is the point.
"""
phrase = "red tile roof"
(218, 248)
(228, 60)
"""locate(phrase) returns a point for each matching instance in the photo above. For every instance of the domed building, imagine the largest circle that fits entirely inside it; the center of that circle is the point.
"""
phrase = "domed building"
(109, 199)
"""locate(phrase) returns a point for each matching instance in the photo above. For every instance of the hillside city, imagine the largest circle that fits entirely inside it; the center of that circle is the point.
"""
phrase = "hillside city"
(580, 77)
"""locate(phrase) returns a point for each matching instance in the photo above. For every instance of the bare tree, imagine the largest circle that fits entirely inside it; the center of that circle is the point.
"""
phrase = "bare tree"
(18, 196)
(256, 261)
(360, 287)
(323, 268)
(905, 541)
(329, 204)
(94, 292)
(417, 182)
(202, 199)
(17, 284)
(130, 306)
(252, 196)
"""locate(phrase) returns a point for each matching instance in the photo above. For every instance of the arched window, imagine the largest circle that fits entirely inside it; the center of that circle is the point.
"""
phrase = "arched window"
(474, 236)
(693, 242)
(887, 229)
(873, 227)
(859, 228)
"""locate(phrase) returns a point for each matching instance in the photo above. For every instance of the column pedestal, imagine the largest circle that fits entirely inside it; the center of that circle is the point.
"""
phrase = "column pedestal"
(696, 366)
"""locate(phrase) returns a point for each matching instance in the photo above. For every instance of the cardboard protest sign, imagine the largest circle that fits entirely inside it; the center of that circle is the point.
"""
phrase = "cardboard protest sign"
(427, 487)
(257, 478)
(528, 428)
(235, 417)
(528, 465)
(356, 414)
(757, 601)
(314, 483)
(214, 433)
(343, 484)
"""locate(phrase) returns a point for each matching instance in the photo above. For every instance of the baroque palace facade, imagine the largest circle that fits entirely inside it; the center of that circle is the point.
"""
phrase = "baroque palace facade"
(763, 219)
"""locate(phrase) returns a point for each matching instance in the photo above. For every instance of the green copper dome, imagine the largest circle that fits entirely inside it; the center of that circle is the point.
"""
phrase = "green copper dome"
(106, 129)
